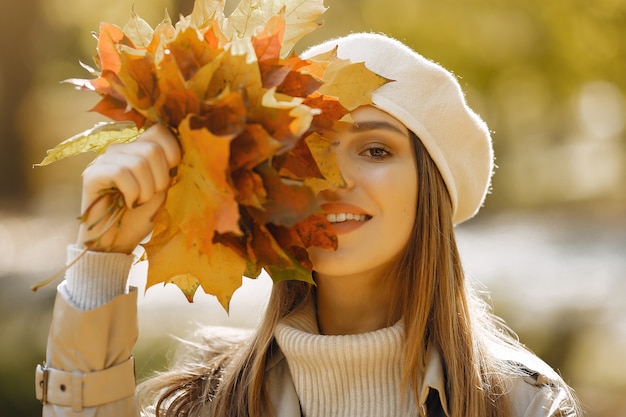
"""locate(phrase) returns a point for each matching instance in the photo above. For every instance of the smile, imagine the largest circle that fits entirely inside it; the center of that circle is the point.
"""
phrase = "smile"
(342, 217)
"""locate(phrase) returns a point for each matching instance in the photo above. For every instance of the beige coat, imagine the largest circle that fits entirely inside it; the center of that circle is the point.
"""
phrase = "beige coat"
(89, 370)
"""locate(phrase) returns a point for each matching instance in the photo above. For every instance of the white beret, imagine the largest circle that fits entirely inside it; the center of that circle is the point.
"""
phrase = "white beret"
(428, 100)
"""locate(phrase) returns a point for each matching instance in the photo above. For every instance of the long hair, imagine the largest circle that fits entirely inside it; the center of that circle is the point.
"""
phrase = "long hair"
(439, 307)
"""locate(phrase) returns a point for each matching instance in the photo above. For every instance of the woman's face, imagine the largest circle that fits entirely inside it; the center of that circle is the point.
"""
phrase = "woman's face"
(374, 214)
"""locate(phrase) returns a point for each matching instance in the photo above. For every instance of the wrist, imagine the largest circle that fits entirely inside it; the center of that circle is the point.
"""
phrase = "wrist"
(97, 277)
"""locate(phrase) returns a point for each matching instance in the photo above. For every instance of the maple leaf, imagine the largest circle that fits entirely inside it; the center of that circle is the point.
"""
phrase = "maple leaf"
(96, 139)
(138, 30)
(201, 200)
(349, 81)
(251, 119)
(300, 18)
(314, 161)
(218, 273)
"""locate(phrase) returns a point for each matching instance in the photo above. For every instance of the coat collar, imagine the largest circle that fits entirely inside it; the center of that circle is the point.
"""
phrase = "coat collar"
(433, 380)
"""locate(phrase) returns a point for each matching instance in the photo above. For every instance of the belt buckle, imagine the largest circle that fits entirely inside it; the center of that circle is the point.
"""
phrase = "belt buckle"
(44, 384)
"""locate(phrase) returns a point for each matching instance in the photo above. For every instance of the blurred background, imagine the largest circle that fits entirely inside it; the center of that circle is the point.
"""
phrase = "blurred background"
(549, 77)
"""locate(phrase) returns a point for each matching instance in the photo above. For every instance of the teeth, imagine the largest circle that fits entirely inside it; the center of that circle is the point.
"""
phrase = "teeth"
(342, 217)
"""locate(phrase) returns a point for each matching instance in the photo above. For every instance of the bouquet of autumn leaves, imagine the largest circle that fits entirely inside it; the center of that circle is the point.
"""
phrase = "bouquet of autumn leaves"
(249, 116)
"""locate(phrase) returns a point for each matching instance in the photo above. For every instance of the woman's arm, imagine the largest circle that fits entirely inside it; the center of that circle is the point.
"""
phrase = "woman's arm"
(89, 368)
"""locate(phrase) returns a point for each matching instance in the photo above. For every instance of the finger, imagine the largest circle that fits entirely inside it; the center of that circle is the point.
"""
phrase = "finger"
(154, 155)
(162, 136)
(139, 167)
(106, 175)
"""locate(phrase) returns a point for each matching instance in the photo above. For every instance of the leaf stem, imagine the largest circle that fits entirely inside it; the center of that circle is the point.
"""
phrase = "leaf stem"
(112, 216)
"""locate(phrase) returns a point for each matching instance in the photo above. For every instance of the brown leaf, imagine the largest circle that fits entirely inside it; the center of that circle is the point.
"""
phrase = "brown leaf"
(250, 118)
(175, 101)
(288, 201)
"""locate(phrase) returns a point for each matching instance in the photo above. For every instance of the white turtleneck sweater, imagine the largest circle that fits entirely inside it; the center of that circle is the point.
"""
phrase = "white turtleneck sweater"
(347, 375)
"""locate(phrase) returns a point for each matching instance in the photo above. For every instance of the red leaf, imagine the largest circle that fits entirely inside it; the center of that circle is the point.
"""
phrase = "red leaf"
(288, 202)
(118, 110)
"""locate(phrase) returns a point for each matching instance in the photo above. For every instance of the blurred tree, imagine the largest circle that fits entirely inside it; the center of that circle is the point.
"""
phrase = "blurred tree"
(525, 65)
(19, 23)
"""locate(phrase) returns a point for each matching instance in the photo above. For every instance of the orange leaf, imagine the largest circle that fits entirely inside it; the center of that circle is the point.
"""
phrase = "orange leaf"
(288, 201)
(238, 75)
(331, 111)
(108, 39)
(172, 261)
(175, 101)
(298, 84)
(264, 250)
(191, 52)
(313, 231)
(163, 33)
(223, 115)
(267, 44)
(253, 146)
(250, 189)
(298, 163)
(137, 74)
(249, 118)
(202, 201)
(118, 110)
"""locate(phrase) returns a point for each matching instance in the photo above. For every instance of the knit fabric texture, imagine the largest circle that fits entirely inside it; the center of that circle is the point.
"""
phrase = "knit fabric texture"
(347, 375)
(96, 278)
(429, 101)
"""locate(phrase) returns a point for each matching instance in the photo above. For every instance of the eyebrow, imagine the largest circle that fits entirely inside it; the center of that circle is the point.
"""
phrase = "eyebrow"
(376, 125)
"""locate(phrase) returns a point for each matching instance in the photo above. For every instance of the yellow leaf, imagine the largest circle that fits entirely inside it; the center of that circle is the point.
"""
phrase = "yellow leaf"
(201, 80)
(204, 12)
(252, 15)
(326, 159)
(163, 33)
(301, 114)
(187, 283)
(239, 74)
(96, 139)
(138, 30)
(351, 83)
(173, 261)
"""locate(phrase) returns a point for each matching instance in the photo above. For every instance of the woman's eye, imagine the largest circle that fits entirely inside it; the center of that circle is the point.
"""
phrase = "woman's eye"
(377, 152)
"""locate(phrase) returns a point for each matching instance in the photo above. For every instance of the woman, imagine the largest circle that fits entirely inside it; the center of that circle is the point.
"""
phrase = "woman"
(391, 328)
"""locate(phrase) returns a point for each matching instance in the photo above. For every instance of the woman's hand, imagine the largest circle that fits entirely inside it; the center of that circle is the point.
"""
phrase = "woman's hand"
(141, 172)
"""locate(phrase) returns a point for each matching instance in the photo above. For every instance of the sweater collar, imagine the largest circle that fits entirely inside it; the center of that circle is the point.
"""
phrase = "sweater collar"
(433, 373)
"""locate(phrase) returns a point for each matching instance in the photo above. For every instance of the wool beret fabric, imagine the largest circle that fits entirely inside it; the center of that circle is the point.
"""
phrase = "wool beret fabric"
(429, 101)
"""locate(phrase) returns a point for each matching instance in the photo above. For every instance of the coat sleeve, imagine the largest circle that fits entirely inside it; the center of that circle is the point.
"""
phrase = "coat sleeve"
(538, 396)
(89, 369)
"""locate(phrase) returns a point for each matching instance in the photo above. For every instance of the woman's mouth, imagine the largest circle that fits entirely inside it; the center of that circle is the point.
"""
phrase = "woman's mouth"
(345, 217)
(342, 217)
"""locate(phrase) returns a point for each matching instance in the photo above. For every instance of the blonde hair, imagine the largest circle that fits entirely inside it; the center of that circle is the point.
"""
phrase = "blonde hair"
(438, 306)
